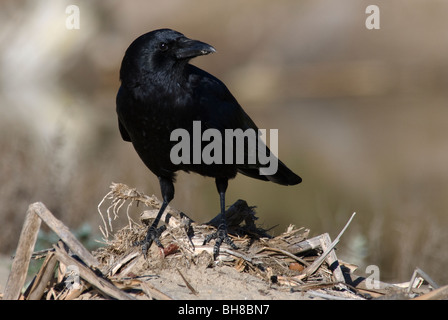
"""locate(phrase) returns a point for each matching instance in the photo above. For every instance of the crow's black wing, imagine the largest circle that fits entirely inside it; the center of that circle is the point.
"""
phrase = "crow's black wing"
(124, 134)
(220, 110)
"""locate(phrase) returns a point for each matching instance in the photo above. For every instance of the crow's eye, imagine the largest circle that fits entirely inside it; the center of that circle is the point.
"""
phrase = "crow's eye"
(163, 46)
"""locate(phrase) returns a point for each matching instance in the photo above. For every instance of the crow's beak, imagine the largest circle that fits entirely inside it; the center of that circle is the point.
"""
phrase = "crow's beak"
(188, 49)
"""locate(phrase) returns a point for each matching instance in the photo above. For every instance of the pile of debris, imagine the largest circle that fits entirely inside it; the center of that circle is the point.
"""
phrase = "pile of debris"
(288, 266)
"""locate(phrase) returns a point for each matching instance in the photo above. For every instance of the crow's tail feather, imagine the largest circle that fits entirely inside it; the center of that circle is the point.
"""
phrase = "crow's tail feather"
(283, 176)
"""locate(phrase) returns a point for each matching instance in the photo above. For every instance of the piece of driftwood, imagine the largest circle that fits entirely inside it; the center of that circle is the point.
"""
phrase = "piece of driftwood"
(64, 233)
(316, 264)
(39, 283)
(305, 245)
(437, 294)
(286, 253)
(35, 214)
(332, 259)
(121, 262)
(364, 286)
(19, 269)
(424, 276)
(152, 292)
(87, 274)
(187, 283)
(327, 296)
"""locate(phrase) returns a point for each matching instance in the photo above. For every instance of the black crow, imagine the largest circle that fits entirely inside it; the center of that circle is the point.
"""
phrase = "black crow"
(161, 92)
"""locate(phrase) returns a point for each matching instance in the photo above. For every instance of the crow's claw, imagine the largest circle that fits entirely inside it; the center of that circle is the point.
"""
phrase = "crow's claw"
(152, 235)
(220, 236)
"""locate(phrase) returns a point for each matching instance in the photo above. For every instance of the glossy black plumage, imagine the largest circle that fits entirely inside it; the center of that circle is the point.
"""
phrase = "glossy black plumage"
(160, 92)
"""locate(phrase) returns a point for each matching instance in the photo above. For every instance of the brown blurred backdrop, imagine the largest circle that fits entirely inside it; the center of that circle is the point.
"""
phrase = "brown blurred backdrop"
(362, 116)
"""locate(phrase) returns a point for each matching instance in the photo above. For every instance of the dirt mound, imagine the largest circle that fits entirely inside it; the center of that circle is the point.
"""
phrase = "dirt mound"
(288, 266)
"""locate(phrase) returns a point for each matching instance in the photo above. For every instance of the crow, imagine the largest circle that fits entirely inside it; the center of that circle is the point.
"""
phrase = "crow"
(161, 92)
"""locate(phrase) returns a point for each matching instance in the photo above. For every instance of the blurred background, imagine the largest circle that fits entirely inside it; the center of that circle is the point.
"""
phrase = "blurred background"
(362, 117)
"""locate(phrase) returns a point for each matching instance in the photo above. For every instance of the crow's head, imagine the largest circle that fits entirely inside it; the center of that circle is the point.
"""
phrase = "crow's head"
(159, 52)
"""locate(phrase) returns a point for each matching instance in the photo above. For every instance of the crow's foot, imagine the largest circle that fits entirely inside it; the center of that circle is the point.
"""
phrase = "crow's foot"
(153, 234)
(220, 236)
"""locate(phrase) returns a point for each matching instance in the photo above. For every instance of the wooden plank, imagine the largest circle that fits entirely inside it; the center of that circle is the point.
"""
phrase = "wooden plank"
(19, 269)
(64, 233)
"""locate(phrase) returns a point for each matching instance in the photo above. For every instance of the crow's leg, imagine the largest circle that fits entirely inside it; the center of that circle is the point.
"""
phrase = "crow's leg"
(221, 234)
(153, 234)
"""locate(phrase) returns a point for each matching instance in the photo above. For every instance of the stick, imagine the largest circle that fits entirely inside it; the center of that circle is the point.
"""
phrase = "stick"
(316, 264)
(27, 240)
(189, 286)
(45, 274)
(326, 296)
(121, 262)
(64, 233)
(237, 254)
(425, 276)
(305, 245)
(332, 259)
(286, 253)
(88, 275)
(153, 292)
(438, 294)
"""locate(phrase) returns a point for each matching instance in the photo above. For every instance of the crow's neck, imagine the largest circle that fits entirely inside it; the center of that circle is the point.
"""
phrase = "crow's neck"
(167, 83)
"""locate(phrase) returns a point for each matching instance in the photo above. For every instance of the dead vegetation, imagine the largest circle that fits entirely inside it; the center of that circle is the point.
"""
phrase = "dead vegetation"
(288, 266)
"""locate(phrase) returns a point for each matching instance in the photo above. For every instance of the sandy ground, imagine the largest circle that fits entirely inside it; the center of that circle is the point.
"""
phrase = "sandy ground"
(198, 282)
(221, 282)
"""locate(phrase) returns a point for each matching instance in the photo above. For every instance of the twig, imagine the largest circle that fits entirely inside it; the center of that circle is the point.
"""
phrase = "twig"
(104, 231)
(236, 254)
(424, 275)
(326, 296)
(316, 264)
(286, 253)
(40, 254)
(40, 282)
(193, 290)
(313, 286)
(153, 292)
(27, 240)
(119, 264)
